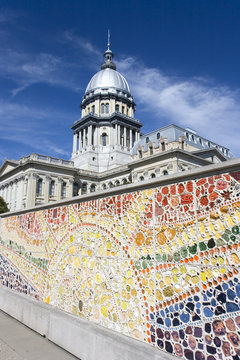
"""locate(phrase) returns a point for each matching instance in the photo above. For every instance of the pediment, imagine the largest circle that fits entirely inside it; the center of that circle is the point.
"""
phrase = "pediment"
(7, 166)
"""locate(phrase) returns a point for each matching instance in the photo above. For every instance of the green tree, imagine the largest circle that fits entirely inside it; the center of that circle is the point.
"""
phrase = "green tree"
(3, 206)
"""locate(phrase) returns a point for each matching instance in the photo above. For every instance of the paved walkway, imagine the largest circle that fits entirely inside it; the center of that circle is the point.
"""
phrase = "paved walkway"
(18, 342)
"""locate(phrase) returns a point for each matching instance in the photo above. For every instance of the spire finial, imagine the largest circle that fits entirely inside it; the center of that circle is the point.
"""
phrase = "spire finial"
(108, 44)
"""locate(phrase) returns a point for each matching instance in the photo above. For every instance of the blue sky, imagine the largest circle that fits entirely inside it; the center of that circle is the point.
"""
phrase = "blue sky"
(180, 58)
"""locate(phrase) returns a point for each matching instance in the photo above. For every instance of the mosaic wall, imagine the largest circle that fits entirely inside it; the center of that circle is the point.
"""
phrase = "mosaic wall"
(160, 265)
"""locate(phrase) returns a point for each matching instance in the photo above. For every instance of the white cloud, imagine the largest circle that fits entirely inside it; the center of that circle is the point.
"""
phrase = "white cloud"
(7, 15)
(213, 110)
(82, 43)
(33, 127)
(26, 69)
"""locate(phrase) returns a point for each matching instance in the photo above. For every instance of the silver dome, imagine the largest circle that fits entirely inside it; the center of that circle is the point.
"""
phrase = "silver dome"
(108, 78)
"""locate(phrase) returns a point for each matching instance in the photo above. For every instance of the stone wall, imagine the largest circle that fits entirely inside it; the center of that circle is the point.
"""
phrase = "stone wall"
(160, 264)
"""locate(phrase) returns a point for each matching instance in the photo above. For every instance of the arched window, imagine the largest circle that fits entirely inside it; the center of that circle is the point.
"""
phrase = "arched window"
(117, 183)
(123, 110)
(151, 150)
(84, 188)
(193, 138)
(200, 141)
(124, 181)
(104, 186)
(158, 135)
(141, 178)
(111, 185)
(153, 175)
(102, 108)
(104, 139)
(52, 188)
(163, 146)
(93, 109)
(165, 172)
(93, 188)
(39, 187)
(117, 108)
(187, 135)
(147, 139)
(64, 190)
(107, 108)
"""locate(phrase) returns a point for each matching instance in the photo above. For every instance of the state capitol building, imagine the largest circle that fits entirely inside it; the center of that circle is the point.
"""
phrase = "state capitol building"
(109, 150)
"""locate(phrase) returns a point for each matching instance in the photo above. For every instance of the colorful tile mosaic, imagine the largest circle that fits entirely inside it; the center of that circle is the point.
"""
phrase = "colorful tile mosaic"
(161, 265)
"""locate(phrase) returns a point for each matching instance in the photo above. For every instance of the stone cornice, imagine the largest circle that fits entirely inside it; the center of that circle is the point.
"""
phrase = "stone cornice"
(114, 118)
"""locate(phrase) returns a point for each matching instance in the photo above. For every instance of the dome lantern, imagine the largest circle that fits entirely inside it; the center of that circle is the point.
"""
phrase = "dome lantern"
(108, 57)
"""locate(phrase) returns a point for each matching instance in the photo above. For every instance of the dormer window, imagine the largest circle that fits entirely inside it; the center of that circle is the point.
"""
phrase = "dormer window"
(151, 150)
(140, 154)
(147, 139)
(158, 135)
(163, 146)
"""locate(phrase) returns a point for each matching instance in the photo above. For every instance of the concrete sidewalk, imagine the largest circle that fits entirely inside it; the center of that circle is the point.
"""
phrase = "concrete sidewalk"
(18, 342)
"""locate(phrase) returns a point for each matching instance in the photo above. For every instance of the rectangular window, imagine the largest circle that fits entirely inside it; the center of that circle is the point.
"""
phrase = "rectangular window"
(140, 154)
(64, 189)
(39, 187)
(52, 188)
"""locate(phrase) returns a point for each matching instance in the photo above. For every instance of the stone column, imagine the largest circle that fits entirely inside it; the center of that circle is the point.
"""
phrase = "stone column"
(46, 189)
(115, 135)
(75, 143)
(31, 190)
(69, 192)
(124, 136)
(19, 194)
(5, 193)
(130, 139)
(95, 136)
(79, 140)
(97, 107)
(98, 136)
(119, 133)
(84, 137)
(90, 135)
(13, 195)
(59, 188)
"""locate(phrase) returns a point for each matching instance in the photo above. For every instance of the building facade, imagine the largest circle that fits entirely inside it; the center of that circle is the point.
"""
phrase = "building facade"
(108, 149)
